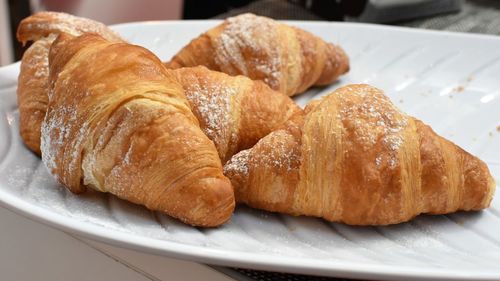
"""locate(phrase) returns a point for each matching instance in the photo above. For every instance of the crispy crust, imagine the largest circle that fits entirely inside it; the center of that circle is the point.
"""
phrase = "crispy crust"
(118, 122)
(355, 158)
(32, 91)
(288, 59)
(234, 111)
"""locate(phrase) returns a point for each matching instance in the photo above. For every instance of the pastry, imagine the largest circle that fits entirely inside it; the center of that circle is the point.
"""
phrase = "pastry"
(117, 121)
(42, 28)
(288, 59)
(355, 158)
(234, 111)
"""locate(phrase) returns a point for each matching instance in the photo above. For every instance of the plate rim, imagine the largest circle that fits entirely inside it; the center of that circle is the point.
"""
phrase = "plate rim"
(230, 257)
(238, 258)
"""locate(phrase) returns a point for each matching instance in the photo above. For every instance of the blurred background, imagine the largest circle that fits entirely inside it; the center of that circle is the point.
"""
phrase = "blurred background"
(478, 16)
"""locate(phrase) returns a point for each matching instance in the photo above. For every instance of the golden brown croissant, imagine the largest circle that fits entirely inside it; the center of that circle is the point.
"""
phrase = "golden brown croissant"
(118, 122)
(355, 158)
(33, 77)
(288, 59)
(234, 111)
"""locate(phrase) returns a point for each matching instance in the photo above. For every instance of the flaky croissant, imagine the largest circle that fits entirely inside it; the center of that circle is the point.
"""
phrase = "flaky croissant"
(288, 59)
(43, 28)
(234, 111)
(355, 158)
(118, 122)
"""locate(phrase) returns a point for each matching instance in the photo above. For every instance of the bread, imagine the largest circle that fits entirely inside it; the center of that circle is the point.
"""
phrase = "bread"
(43, 28)
(118, 122)
(355, 158)
(288, 59)
(234, 111)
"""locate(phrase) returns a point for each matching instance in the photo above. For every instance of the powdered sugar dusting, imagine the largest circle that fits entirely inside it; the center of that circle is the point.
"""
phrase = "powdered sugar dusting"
(36, 57)
(116, 133)
(61, 138)
(43, 69)
(40, 61)
(213, 104)
(53, 22)
(283, 154)
(62, 135)
(374, 120)
(53, 133)
(238, 163)
(247, 44)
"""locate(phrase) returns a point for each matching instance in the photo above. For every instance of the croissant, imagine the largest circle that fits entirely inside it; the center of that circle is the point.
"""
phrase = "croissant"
(355, 158)
(234, 111)
(118, 122)
(288, 59)
(32, 88)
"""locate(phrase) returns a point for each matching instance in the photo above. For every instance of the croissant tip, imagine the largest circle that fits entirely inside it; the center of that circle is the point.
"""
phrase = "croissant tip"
(491, 192)
(217, 203)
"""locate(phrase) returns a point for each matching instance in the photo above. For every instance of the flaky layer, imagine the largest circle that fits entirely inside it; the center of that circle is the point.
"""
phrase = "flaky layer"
(32, 88)
(32, 91)
(288, 59)
(234, 111)
(42, 24)
(355, 158)
(118, 122)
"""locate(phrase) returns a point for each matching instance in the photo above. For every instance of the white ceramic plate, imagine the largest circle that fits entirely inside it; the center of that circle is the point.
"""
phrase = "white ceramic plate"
(451, 81)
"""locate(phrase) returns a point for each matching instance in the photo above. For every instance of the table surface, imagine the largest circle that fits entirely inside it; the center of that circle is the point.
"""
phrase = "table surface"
(32, 251)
